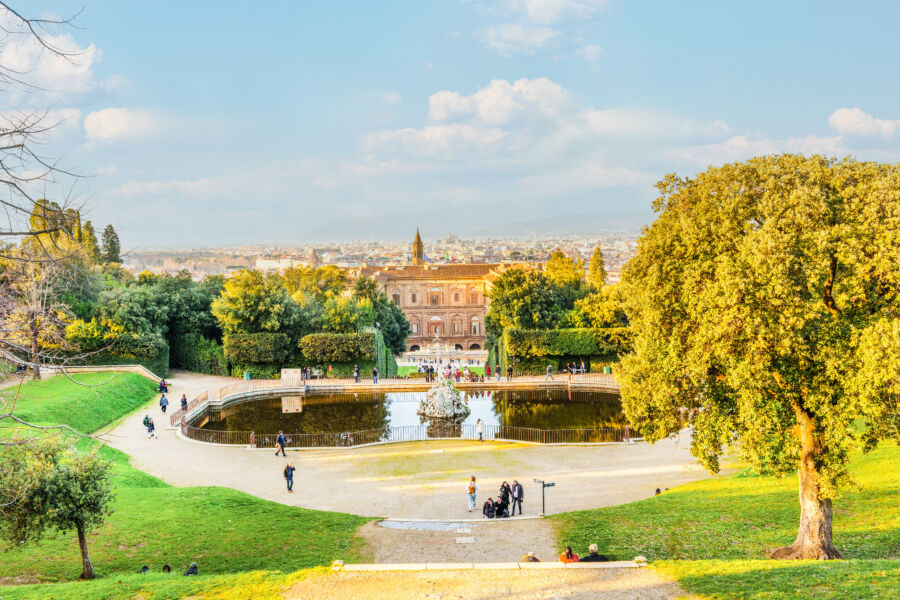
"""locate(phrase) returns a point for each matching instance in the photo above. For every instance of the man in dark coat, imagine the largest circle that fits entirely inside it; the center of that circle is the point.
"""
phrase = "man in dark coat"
(518, 494)
(280, 441)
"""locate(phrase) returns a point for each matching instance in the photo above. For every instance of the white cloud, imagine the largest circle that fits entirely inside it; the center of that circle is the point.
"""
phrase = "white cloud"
(590, 52)
(107, 170)
(393, 98)
(548, 12)
(500, 102)
(509, 39)
(196, 187)
(740, 147)
(433, 140)
(113, 124)
(853, 121)
(582, 175)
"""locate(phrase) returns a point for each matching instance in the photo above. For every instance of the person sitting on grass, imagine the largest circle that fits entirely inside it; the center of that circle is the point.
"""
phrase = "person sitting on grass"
(593, 555)
(192, 570)
(488, 509)
(530, 557)
(568, 556)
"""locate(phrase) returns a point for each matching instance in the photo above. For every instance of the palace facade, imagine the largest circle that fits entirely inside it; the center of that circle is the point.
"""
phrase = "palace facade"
(444, 303)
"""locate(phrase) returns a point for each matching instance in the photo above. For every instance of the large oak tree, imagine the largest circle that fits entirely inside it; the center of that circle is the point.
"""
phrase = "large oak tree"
(765, 302)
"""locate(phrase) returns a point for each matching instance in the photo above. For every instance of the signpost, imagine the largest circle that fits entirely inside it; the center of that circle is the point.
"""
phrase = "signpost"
(544, 486)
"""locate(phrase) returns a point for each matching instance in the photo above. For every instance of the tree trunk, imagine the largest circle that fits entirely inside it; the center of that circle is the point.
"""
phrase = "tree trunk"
(87, 568)
(35, 359)
(814, 538)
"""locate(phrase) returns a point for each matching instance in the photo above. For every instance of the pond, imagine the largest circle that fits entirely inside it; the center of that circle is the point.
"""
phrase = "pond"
(393, 411)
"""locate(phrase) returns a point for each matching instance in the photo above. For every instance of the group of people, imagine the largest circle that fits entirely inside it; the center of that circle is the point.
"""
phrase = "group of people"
(498, 372)
(508, 500)
(570, 557)
(192, 570)
(356, 374)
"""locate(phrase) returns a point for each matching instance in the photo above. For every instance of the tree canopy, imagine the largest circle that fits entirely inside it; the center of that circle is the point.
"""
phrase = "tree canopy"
(52, 486)
(765, 302)
(596, 270)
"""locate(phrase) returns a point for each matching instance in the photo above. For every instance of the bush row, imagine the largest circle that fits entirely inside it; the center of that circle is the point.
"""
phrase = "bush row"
(193, 352)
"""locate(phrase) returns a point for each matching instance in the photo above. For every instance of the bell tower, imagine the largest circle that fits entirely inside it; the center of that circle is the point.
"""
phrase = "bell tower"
(418, 254)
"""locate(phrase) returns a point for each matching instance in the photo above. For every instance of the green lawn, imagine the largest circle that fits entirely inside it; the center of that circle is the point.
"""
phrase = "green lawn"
(152, 524)
(101, 399)
(714, 533)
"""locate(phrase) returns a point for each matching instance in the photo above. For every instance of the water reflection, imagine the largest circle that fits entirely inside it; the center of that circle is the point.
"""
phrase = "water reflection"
(326, 413)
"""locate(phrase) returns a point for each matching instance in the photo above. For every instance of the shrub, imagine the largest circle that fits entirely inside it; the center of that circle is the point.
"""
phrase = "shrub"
(534, 343)
(112, 345)
(193, 352)
(257, 371)
(330, 348)
(266, 348)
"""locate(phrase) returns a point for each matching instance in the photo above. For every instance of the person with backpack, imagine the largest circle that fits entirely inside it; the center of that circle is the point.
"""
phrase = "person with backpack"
(289, 477)
(146, 423)
(472, 493)
(163, 403)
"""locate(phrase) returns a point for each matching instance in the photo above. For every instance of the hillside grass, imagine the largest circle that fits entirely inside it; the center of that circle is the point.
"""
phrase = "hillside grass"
(153, 523)
(95, 401)
(712, 535)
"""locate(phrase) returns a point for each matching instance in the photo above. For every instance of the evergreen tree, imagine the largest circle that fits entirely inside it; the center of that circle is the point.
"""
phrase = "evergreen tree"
(111, 247)
(89, 241)
(597, 270)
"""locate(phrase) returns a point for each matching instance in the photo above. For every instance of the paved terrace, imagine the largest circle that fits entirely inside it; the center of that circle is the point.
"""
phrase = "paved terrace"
(410, 480)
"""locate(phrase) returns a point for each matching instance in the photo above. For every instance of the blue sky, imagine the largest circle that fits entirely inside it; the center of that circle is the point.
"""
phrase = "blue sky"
(207, 123)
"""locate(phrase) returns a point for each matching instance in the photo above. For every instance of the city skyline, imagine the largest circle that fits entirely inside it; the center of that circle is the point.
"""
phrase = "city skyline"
(324, 122)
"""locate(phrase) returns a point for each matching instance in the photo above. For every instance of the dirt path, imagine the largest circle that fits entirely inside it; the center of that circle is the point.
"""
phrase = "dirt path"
(488, 541)
(568, 584)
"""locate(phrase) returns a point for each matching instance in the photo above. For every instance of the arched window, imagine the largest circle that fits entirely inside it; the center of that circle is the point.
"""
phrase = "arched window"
(474, 347)
(414, 348)
(458, 347)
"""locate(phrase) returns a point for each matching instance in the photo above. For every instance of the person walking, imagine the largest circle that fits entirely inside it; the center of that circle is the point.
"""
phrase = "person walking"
(518, 494)
(509, 371)
(549, 373)
(280, 441)
(356, 373)
(163, 403)
(479, 427)
(472, 493)
(487, 370)
(498, 371)
(184, 403)
(289, 476)
(151, 429)
(374, 374)
(146, 423)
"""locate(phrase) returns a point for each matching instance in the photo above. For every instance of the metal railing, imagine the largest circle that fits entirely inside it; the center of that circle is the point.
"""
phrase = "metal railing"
(409, 433)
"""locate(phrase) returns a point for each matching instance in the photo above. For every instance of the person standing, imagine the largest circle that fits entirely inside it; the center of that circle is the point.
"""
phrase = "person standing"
(549, 373)
(356, 373)
(163, 403)
(289, 477)
(280, 441)
(583, 370)
(184, 403)
(374, 374)
(505, 493)
(498, 371)
(518, 494)
(509, 373)
(487, 370)
(479, 427)
(472, 493)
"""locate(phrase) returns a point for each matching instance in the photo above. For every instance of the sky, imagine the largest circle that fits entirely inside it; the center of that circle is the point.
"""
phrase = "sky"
(211, 123)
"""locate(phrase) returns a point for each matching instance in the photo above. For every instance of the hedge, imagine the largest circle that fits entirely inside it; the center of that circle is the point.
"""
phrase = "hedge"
(266, 348)
(257, 371)
(193, 352)
(565, 343)
(105, 346)
(330, 348)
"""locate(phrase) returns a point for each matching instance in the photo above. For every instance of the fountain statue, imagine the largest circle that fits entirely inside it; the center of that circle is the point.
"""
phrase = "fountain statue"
(444, 401)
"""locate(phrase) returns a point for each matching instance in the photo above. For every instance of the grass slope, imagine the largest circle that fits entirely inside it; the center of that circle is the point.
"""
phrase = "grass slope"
(100, 400)
(152, 524)
(725, 524)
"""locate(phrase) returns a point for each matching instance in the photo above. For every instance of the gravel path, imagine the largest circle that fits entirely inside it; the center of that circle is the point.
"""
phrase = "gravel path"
(568, 584)
(493, 541)
(421, 480)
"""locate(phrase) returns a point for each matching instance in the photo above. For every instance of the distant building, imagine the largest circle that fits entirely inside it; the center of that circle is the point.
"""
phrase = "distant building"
(279, 264)
(444, 303)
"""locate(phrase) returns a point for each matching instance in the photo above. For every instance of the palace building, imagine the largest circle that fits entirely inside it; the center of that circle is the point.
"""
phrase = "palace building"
(444, 303)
